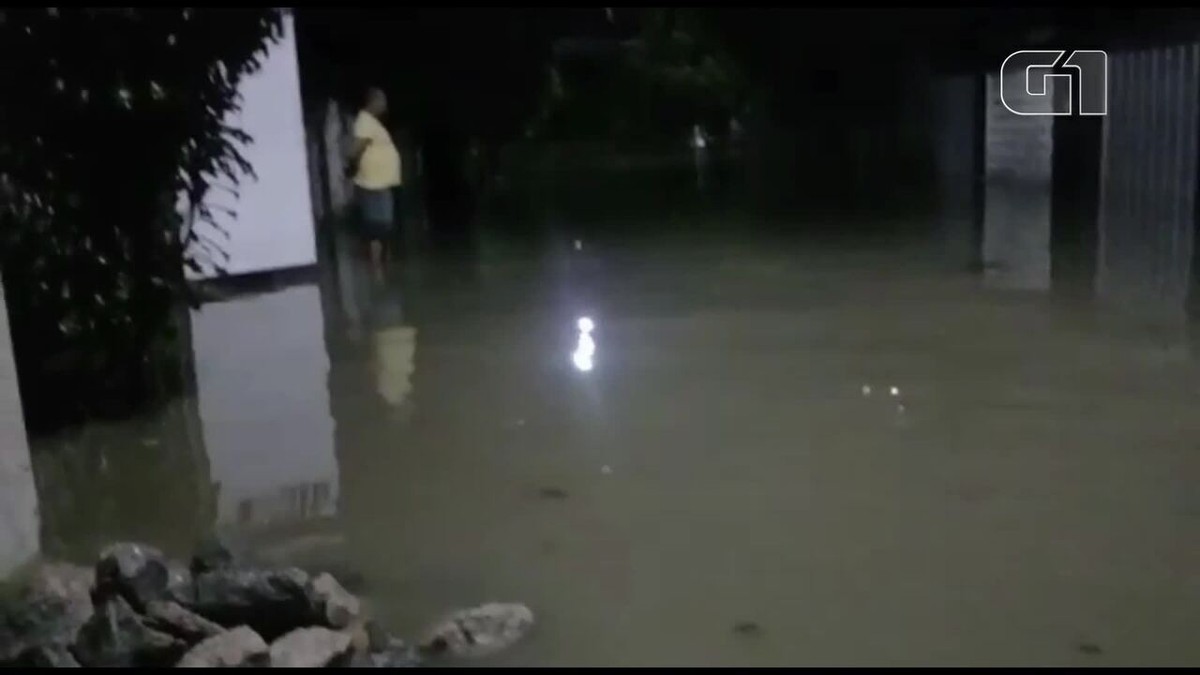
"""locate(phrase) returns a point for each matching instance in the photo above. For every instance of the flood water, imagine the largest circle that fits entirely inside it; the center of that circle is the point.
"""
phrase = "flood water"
(773, 451)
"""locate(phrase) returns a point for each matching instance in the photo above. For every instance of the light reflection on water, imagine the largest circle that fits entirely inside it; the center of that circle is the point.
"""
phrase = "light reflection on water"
(584, 356)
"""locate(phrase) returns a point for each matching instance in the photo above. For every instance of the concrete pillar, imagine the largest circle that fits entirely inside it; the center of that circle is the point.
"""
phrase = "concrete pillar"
(337, 131)
(1017, 195)
(316, 172)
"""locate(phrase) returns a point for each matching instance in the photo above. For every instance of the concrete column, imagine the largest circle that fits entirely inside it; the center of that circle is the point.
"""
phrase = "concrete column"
(336, 133)
(1017, 195)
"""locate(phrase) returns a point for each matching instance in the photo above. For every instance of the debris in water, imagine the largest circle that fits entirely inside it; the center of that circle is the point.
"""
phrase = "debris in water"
(552, 493)
(895, 391)
(747, 629)
(479, 631)
(1090, 649)
(866, 390)
(606, 470)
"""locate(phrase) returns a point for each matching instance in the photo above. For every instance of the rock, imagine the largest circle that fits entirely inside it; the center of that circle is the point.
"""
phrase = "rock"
(368, 637)
(181, 587)
(116, 637)
(212, 553)
(313, 553)
(173, 619)
(360, 639)
(141, 574)
(27, 626)
(40, 623)
(272, 602)
(398, 655)
(377, 638)
(351, 579)
(72, 583)
(335, 607)
(240, 647)
(374, 648)
(478, 631)
(52, 656)
(311, 648)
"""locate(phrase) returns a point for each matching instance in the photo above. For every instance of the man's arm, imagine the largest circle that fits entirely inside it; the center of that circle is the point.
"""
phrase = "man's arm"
(362, 138)
(359, 147)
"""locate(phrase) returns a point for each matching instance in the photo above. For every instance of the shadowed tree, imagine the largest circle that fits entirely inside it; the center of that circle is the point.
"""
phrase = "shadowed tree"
(108, 116)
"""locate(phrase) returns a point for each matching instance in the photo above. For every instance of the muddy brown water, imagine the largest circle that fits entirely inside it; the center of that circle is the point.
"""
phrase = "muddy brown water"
(867, 459)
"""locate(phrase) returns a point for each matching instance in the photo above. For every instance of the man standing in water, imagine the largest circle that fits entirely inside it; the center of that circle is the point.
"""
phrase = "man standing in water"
(699, 143)
(376, 165)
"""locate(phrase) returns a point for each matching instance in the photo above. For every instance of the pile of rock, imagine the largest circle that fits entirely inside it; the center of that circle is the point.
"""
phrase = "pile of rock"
(138, 608)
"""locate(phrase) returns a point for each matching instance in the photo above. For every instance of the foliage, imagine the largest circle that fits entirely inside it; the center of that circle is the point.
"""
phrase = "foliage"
(108, 116)
(479, 76)
(683, 56)
(663, 70)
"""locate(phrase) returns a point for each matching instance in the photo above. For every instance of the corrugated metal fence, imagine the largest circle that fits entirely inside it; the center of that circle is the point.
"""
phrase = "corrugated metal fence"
(1147, 216)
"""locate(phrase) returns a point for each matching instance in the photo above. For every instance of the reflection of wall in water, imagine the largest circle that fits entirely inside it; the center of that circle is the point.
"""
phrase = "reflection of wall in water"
(19, 524)
(261, 368)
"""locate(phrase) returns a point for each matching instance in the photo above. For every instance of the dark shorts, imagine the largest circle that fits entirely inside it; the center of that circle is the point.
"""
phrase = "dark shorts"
(376, 212)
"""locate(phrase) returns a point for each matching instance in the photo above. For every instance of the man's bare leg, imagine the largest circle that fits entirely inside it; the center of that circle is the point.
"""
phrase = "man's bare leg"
(375, 249)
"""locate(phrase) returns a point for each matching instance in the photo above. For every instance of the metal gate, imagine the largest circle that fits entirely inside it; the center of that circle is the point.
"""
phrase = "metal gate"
(1148, 180)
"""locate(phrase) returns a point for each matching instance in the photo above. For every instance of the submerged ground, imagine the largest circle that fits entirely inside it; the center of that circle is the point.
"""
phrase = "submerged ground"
(788, 450)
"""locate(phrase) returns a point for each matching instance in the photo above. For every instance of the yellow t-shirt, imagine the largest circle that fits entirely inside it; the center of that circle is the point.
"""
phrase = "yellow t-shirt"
(379, 166)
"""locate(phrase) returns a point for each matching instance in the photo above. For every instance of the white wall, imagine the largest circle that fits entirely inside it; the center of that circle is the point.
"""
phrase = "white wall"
(273, 228)
(262, 380)
(19, 519)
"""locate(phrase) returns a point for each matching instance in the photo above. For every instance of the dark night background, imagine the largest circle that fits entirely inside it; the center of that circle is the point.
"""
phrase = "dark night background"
(811, 80)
